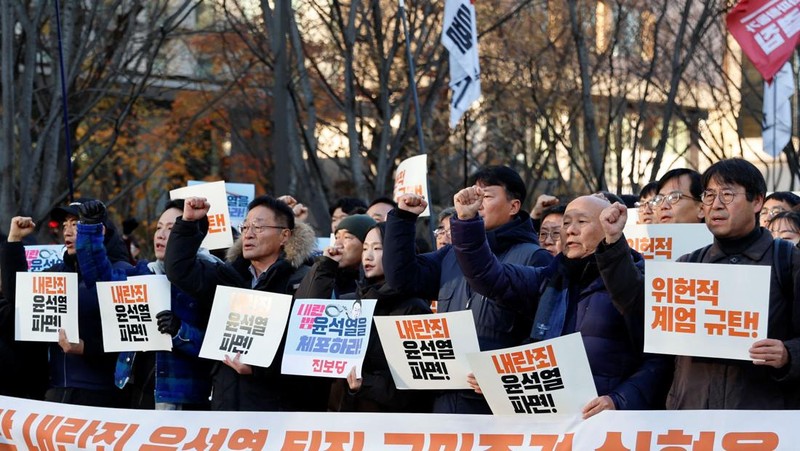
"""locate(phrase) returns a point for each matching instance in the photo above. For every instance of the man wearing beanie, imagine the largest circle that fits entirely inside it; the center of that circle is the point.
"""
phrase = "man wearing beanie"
(342, 260)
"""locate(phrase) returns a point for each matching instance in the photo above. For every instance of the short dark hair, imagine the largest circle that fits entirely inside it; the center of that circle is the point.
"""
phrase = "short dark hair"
(503, 176)
(283, 213)
(382, 200)
(174, 203)
(349, 205)
(740, 172)
(785, 196)
(649, 189)
(792, 216)
(446, 213)
(695, 187)
(559, 209)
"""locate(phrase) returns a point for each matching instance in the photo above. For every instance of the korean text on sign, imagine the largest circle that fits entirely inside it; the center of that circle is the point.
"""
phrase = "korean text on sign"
(528, 377)
(427, 346)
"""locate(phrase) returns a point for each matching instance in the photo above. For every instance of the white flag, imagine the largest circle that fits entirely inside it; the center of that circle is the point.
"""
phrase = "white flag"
(776, 130)
(460, 37)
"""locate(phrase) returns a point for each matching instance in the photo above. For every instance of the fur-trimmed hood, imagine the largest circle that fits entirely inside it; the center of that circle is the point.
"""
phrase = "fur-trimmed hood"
(297, 250)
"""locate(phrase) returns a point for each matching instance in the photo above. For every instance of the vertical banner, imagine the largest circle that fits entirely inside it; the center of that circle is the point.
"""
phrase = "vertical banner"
(219, 222)
(666, 242)
(428, 352)
(412, 177)
(249, 322)
(327, 337)
(546, 377)
(460, 38)
(239, 197)
(41, 257)
(46, 302)
(128, 313)
(704, 309)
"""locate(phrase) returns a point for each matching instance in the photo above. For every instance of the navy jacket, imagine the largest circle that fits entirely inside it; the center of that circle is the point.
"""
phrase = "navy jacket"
(437, 275)
(613, 342)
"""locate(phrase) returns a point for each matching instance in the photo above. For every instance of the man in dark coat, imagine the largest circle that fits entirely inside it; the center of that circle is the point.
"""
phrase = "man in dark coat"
(437, 275)
(80, 373)
(272, 251)
(732, 197)
(573, 294)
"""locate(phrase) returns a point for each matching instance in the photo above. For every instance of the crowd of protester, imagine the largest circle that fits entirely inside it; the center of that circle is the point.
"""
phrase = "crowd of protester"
(564, 267)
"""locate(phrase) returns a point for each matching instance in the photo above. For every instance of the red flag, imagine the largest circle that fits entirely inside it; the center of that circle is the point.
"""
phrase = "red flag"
(767, 31)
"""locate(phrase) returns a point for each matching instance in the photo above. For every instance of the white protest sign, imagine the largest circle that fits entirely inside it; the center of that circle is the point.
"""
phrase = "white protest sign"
(43, 256)
(704, 309)
(239, 196)
(428, 352)
(666, 242)
(412, 177)
(46, 302)
(546, 377)
(327, 337)
(249, 322)
(219, 223)
(128, 313)
(633, 216)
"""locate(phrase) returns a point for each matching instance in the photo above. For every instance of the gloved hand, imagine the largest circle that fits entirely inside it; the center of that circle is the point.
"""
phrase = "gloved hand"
(168, 323)
(92, 212)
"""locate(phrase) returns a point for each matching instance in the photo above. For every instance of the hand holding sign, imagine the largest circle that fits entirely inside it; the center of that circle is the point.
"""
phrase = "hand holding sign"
(353, 380)
(612, 220)
(468, 201)
(21, 226)
(236, 363)
(195, 208)
(66, 346)
(769, 352)
(598, 405)
(412, 203)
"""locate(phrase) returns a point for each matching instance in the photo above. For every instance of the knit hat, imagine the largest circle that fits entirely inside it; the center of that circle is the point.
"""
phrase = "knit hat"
(357, 225)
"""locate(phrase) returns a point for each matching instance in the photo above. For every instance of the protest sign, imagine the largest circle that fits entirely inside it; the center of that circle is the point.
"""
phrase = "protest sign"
(219, 223)
(41, 257)
(46, 302)
(412, 177)
(239, 197)
(128, 313)
(666, 242)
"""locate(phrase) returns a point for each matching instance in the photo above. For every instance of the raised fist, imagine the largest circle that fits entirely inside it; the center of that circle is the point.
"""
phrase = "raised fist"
(92, 212)
(468, 201)
(21, 226)
(412, 203)
(195, 208)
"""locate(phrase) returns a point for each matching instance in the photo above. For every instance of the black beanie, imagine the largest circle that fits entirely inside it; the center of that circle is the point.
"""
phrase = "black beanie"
(357, 225)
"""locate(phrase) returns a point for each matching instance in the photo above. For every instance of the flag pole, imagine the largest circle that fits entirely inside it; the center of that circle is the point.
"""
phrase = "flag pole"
(412, 80)
(67, 142)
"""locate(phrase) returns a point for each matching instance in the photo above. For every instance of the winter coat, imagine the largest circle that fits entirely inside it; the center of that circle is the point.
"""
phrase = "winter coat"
(266, 389)
(708, 383)
(378, 392)
(437, 275)
(94, 369)
(181, 377)
(567, 302)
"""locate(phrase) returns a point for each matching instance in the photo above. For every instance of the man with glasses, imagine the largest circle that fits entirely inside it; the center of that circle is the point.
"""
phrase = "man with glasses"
(269, 256)
(775, 203)
(678, 198)
(437, 275)
(550, 229)
(646, 213)
(733, 195)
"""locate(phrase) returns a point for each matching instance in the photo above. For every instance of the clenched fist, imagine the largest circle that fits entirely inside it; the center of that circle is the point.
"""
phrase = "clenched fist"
(195, 208)
(412, 203)
(21, 226)
(612, 220)
(468, 201)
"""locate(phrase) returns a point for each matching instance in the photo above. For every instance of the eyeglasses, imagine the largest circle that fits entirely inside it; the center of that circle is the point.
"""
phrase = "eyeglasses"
(244, 228)
(771, 212)
(441, 231)
(725, 196)
(554, 235)
(643, 206)
(673, 198)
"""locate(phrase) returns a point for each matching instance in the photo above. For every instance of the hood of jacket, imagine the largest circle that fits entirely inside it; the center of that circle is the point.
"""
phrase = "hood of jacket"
(297, 250)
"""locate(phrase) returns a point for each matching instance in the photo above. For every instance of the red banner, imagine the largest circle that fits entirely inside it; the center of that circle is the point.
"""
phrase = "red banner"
(767, 31)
